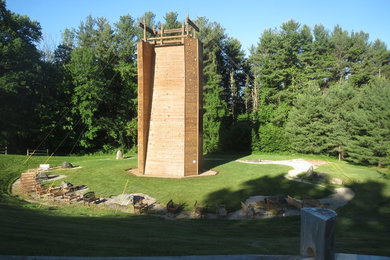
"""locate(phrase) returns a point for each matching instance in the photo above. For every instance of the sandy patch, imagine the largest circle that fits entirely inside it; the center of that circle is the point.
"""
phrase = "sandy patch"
(134, 171)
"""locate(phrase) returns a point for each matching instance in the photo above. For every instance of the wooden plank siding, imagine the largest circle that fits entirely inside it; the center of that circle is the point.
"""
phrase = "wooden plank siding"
(169, 109)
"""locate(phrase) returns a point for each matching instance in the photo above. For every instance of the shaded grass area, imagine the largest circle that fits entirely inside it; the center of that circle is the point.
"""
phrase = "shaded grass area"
(363, 226)
(46, 232)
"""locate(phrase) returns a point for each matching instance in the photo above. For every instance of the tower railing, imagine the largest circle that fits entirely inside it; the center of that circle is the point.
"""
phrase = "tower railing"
(170, 36)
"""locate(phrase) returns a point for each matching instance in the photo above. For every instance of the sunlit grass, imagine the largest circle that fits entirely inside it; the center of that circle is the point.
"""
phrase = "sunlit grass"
(363, 225)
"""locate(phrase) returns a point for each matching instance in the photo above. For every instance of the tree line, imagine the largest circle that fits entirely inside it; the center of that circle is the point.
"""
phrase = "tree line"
(300, 89)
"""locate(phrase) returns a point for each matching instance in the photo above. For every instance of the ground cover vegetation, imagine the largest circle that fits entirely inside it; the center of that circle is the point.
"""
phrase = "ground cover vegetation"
(35, 229)
(301, 89)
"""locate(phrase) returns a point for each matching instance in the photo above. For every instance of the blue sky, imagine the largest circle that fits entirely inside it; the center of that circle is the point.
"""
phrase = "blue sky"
(244, 20)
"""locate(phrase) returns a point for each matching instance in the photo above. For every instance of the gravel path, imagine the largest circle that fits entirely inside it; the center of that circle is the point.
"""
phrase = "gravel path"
(298, 165)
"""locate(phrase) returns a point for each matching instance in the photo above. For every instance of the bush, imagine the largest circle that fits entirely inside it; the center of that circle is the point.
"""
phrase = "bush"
(272, 139)
(237, 137)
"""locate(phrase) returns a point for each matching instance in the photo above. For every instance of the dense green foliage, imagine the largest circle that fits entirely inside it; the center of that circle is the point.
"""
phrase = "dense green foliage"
(20, 70)
(301, 89)
(312, 88)
(103, 68)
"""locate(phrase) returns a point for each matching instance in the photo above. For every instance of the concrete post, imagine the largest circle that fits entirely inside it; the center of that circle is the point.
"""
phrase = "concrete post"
(317, 233)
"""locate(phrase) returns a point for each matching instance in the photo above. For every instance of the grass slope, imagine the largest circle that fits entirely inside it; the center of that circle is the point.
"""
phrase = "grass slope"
(27, 229)
(235, 182)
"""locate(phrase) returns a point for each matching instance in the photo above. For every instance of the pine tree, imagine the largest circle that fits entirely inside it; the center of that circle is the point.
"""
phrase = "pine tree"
(306, 128)
(369, 125)
(248, 96)
(171, 21)
(215, 109)
(340, 101)
(340, 43)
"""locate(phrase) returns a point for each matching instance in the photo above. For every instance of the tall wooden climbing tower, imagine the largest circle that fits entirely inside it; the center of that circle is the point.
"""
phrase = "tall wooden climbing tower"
(170, 102)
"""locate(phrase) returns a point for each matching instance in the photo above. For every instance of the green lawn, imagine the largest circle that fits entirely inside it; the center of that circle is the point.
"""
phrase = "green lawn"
(363, 225)
(234, 183)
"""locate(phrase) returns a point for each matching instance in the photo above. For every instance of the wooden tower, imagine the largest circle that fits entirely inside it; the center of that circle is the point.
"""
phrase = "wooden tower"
(170, 102)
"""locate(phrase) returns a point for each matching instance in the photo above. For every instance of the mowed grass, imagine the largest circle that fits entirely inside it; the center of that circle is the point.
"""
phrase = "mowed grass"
(363, 225)
(31, 229)
(235, 182)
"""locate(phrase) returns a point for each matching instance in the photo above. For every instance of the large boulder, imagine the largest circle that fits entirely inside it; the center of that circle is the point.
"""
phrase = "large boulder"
(319, 176)
(66, 165)
(41, 177)
(337, 181)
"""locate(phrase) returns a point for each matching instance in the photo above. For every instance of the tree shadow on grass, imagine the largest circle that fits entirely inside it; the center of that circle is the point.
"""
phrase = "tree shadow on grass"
(363, 225)
(211, 161)
(27, 230)
(265, 185)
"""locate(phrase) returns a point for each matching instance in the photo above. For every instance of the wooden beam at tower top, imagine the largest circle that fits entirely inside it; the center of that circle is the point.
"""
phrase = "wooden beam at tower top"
(147, 28)
(193, 25)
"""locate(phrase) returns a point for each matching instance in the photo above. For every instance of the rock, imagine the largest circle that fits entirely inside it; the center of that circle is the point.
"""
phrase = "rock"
(137, 199)
(66, 165)
(44, 167)
(310, 171)
(130, 199)
(316, 176)
(222, 212)
(278, 199)
(119, 155)
(66, 184)
(41, 177)
(336, 181)
(254, 160)
(319, 176)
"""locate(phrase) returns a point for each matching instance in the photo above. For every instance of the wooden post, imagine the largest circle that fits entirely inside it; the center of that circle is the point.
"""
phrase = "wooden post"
(188, 24)
(182, 33)
(6, 150)
(193, 26)
(187, 27)
(47, 152)
(154, 32)
(144, 29)
(27, 151)
(317, 233)
(162, 34)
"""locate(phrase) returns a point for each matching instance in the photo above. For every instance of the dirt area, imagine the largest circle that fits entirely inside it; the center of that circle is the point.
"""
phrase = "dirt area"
(317, 163)
(134, 171)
